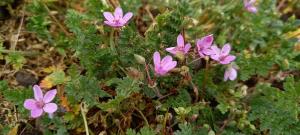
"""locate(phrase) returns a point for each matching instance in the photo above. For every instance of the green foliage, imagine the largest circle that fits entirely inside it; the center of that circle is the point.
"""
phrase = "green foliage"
(277, 110)
(15, 96)
(39, 22)
(6, 2)
(143, 131)
(17, 60)
(86, 89)
(97, 74)
(181, 100)
(185, 129)
(125, 87)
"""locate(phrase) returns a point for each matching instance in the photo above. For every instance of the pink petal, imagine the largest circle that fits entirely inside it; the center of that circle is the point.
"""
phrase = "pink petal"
(228, 59)
(156, 59)
(118, 13)
(201, 54)
(226, 49)
(50, 107)
(206, 41)
(127, 17)
(49, 96)
(226, 75)
(207, 52)
(187, 47)
(161, 72)
(252, 9)
(38, 94)
(166, 60)
(215, 50)
(111, 24)
(232, 74)
(171, 50)
(30, 104)
(180, 41)
(36, 113)
(170, 65)
(215, 57)
(108, 16)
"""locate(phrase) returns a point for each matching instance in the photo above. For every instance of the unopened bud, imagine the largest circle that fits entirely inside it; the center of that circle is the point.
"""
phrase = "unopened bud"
(211, 132)
(286, 63)
(206, 126)
(140, 59)
(244, 90)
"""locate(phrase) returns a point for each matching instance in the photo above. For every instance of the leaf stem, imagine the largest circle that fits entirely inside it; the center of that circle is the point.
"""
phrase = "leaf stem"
(205, 76)
(112, 43)
(143, 116)
(82, 110)
(195, 88)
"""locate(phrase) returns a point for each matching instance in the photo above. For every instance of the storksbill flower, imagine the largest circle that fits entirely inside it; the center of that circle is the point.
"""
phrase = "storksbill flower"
(222, 55)
(181, 46)
(117, 19)
(41, 103)
(162, 67)
(249, 6)
(230, 73)
(204, 44)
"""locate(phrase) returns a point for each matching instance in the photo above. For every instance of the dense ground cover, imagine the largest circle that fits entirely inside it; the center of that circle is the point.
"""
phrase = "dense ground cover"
(145, 67)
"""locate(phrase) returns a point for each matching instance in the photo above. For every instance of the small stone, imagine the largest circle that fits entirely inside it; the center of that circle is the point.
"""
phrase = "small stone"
(25, 78)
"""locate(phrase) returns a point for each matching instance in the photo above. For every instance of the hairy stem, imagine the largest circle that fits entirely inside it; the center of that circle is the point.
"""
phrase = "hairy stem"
(143, 116)
(205, 76)
(83, 110)
(112, 42)
(195, 88)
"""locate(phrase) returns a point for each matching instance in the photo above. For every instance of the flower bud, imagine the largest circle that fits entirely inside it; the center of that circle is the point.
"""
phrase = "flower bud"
(244, 90)
(206, 126)
(211, 132)
(140, 59)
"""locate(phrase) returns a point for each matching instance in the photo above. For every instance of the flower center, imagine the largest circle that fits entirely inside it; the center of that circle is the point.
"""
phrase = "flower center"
(222, 58)
(40, 104)
(117, 21)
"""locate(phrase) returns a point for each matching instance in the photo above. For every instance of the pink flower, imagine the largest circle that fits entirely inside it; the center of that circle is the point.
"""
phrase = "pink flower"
(249, 6)
(180, 48)
(222, 56)
(41, 102)
(230, 74)
(204, 44)
(162, 67)
(117, 20)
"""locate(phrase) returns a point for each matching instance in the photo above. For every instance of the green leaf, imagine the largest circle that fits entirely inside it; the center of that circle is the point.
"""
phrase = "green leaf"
(277, 110)
(143, 131)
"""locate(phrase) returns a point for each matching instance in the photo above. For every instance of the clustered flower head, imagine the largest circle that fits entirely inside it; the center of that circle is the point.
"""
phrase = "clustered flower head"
(204, 45)
(204, 48)
(117, 19)
(41, 103)
(249, 5)
(181, 46)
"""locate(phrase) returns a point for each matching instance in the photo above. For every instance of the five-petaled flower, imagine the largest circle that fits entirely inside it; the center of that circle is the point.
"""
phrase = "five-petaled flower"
(181, 47)
(230, 73)
(222, 55)
(204, 44)
(249, 6)
(117, 19)
(162, 67)
(41, 102)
